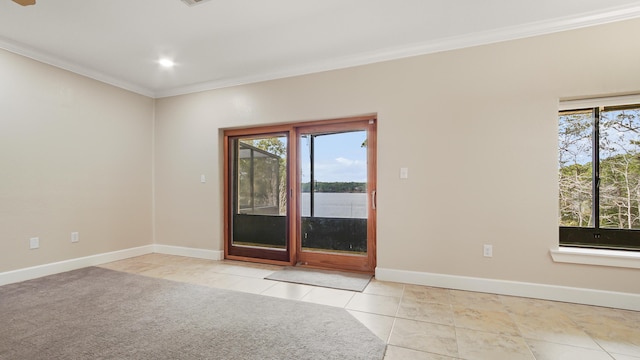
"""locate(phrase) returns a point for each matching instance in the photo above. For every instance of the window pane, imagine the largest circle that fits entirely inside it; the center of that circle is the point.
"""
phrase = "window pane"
(261, 176)
(334, 207)
(620, 169)
(259, 218)
(574, 166)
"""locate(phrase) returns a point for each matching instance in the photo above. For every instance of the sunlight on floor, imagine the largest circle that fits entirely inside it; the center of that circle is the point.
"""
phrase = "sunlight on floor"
(419, 322)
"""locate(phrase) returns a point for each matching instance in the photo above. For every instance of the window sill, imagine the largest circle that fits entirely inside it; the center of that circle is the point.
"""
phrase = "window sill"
(612, 258)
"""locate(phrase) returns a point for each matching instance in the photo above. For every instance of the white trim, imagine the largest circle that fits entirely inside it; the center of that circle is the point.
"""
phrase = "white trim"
(537, 28)
(73, 264)
(190, 252)
(601, 257)
(53, 60)
(29, 273)
(613, 299)
(599, 101)
(572, 22)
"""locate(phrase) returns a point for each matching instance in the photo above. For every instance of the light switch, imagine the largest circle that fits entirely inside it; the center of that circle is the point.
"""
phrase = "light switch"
(203, 179)
(404, 173)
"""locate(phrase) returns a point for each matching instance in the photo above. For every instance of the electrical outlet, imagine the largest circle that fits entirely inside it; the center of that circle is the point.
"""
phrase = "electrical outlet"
(34, 243)
(75, 237)
(488, 250)
(404, 173)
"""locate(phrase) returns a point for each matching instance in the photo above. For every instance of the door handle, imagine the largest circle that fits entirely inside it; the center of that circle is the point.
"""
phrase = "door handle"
(373, 199)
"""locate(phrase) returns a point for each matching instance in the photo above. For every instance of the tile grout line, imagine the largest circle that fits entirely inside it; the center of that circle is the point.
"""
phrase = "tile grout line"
(504, 307)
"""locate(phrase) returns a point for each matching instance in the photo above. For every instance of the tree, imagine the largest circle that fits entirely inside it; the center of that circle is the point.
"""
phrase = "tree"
(272, 145)
(575, 195)
(575, 169)
(620, 169)
(275, 146)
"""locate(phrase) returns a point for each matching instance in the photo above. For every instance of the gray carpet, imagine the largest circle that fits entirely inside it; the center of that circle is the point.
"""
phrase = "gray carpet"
(330, 279)
(95, 313)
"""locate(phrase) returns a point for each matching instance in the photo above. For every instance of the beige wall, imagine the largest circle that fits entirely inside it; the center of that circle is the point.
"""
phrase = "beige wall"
(477, 129)
(75, 155)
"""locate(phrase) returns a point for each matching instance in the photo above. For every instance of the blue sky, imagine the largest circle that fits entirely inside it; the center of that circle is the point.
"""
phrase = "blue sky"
(338, 157)
(619, 137)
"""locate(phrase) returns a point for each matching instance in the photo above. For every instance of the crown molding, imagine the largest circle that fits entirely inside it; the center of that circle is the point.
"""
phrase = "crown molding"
(573, 22)
(55, 61)
(452, 43)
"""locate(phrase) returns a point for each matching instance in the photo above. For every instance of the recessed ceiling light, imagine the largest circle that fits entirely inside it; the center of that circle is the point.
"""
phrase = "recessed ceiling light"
(166, 63)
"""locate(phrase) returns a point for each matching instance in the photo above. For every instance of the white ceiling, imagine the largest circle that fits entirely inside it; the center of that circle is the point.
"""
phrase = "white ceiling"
(219, 43)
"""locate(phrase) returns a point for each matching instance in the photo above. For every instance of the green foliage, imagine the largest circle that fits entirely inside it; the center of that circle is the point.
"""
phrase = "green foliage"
(620, 192)
(575, 195)
(336, 187)
(273, 145)
(619, 185)
(263, 179)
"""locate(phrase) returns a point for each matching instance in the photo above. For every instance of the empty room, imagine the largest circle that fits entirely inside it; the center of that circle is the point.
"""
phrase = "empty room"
(417, 179)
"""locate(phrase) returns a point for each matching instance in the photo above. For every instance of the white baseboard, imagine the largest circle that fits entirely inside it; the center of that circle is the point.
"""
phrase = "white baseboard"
(585, 296)
(612, 299)
(93, 260)
(190, 252)
(72, 264)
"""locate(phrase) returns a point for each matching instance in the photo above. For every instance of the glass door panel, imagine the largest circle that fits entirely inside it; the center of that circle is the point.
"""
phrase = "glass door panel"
(334, 192)
(259, 207)
(336, 182)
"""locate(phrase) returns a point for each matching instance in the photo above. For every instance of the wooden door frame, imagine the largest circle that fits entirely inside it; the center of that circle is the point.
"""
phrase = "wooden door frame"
(345, 261)
(228, 168)
(294, 244)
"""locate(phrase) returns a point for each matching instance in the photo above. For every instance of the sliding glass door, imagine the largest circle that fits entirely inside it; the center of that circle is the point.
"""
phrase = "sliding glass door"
(302, 194)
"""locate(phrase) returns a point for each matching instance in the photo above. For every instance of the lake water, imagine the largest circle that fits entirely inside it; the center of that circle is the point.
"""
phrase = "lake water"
(338, 205)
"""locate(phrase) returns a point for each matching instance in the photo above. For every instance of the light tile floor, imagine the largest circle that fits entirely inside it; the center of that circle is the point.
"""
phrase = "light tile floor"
(419, 322)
